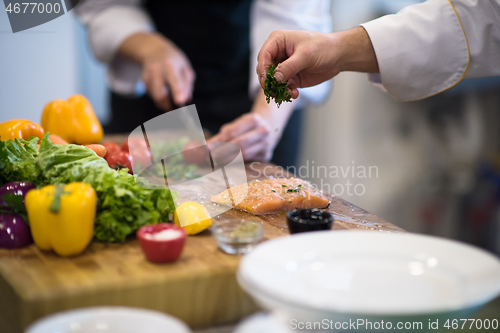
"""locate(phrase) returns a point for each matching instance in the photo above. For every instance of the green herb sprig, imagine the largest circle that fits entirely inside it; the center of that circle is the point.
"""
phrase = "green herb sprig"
(274, 89)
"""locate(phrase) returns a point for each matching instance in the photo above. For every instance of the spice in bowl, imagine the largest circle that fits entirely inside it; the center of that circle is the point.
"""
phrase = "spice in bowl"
(237, 237)
(164, 235)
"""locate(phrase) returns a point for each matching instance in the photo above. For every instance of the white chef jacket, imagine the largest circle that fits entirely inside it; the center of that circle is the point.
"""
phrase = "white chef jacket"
(428, 48)
(110, 22)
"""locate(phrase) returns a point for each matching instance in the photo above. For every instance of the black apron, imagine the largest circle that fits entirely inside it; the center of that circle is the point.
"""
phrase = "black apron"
(215, 36)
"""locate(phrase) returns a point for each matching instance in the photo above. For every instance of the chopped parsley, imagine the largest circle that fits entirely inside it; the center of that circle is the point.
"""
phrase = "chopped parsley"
(273, 191)
(283, 185)
(274, 89)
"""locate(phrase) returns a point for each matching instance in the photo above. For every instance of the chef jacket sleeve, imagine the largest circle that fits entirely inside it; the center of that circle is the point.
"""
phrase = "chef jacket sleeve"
(269, 15)
(109, 23)
(428, 48)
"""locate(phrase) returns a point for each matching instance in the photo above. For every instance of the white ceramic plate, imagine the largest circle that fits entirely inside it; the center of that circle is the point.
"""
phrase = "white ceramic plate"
(370, 273)
(109, 319)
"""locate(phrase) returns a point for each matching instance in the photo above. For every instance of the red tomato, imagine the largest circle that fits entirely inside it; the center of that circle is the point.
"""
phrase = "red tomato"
(193, 153)
(140, 156)
(120, 160)
(135, 143)
(111, 149)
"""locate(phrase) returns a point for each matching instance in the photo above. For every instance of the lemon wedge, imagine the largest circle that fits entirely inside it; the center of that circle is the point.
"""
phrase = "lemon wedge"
(194, 217)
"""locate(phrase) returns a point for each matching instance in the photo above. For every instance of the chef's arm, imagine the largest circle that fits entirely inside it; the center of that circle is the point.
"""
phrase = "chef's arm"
(421, 51)
(122, 35)
(305, 59)
(108, 24)
(428, 48)
(276, 120)
(257, 132)
(165, 68)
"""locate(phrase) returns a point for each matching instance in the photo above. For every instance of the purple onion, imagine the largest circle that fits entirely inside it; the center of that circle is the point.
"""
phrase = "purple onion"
(16, 188)
(14, 232)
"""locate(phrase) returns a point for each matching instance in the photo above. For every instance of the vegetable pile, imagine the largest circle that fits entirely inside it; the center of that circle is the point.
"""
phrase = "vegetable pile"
(122, 206)
(274, 89)
(134, 153)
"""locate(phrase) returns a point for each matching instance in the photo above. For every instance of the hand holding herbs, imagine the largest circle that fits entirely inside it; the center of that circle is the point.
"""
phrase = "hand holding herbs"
(274, 89)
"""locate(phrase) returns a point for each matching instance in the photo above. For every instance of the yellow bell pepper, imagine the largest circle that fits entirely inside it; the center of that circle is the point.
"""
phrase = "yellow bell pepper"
(20, 129)
(73, 120)
(62, 217)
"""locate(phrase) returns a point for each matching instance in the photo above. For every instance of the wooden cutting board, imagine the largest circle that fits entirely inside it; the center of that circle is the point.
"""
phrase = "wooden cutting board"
(200, 288)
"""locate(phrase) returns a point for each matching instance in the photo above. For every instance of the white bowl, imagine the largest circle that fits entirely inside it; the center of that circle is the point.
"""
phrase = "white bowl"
(109, 319)
(347, 275)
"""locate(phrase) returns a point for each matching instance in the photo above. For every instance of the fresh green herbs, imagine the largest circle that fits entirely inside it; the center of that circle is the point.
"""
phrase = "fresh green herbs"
(273, 191)
(274, 89)
(293, 190)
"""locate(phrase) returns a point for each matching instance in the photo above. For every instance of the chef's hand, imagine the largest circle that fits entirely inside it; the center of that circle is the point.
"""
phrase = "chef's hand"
(258, 132)
(308, 58)
(166, 69)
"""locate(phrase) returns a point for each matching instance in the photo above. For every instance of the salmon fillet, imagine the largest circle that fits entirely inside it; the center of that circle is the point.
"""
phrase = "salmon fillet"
(272, 195)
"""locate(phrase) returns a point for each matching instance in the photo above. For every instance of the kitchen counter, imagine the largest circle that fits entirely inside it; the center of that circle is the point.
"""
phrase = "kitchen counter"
(200, 288)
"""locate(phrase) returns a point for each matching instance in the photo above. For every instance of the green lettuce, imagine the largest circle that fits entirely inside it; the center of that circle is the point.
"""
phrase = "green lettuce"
(122, 205)
(18, 161)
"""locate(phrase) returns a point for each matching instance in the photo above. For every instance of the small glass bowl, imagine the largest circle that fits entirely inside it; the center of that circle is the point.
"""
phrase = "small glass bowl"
(226, 235)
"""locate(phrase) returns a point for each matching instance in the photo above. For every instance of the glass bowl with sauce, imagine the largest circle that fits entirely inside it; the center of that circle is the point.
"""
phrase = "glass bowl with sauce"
(304, 220)
(237, 237)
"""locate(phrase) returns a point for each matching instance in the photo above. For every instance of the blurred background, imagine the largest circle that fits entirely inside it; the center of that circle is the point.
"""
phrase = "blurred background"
(437, 160)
